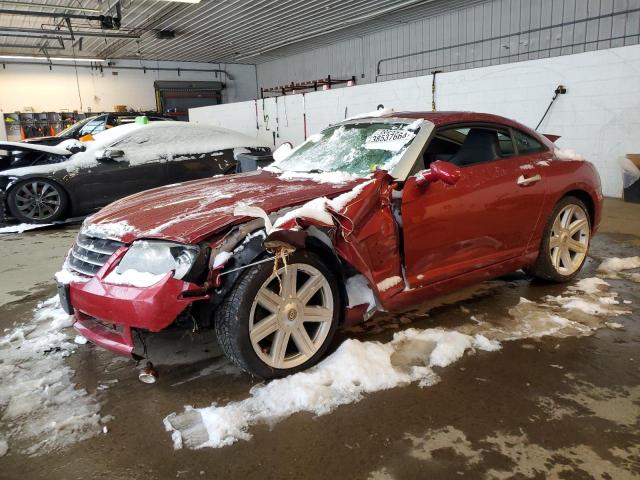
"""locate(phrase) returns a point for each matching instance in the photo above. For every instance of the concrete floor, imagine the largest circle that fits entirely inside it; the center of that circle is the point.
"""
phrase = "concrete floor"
(539, 408)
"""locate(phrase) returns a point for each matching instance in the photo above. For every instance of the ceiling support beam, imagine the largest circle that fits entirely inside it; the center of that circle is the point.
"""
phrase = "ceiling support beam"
(17, 45)
(66, 35)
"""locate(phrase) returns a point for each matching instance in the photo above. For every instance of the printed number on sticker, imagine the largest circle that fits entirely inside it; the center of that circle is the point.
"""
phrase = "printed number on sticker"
(385, 135)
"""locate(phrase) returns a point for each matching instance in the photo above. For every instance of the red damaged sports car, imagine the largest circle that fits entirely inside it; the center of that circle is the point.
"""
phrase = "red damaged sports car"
(375, 213)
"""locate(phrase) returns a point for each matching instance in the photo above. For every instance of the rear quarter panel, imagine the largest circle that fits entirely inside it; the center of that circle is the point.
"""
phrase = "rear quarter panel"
(565, 177)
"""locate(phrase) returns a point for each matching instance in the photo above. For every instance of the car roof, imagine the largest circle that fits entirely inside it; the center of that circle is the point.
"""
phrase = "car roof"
(449, 117)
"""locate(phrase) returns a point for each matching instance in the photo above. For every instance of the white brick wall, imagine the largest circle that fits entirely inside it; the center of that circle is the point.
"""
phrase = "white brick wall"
(598, 117)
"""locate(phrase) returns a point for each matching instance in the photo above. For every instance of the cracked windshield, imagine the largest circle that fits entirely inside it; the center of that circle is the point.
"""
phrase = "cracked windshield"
(356, 149)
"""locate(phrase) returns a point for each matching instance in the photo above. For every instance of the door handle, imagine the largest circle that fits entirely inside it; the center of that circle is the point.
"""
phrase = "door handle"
(522, 180)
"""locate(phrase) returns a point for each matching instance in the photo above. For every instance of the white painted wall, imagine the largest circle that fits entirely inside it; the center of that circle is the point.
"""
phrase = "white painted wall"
(598, 117)
(45, 90)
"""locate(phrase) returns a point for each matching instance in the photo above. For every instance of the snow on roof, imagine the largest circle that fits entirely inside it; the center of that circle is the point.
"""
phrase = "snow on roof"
(383, 112)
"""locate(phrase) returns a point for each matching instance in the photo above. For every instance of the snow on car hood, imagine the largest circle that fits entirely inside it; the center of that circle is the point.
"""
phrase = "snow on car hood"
(191, 211)
(56, 150)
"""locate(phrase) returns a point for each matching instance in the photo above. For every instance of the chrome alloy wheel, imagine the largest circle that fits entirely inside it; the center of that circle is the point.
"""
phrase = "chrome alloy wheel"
(288, 324)
(38, 200)
(569, 240)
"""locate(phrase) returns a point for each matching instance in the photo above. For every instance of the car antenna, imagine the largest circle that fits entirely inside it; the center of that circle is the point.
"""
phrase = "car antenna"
(560, 90)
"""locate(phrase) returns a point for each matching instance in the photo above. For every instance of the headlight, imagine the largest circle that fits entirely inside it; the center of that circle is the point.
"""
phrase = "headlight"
(159, 257)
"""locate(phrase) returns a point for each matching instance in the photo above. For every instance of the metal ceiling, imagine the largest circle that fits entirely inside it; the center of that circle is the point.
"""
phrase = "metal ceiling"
(225, 31)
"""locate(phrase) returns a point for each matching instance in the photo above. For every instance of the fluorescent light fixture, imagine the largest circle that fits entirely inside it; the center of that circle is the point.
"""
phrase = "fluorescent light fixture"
(57, 59)
(44, 5)
(183, 1)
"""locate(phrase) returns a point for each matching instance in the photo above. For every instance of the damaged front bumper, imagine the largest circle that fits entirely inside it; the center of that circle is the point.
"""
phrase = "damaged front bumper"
(109, 315)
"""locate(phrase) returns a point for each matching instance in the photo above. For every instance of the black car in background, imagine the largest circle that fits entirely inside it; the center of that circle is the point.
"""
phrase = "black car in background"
(76, 178)
(89, 125)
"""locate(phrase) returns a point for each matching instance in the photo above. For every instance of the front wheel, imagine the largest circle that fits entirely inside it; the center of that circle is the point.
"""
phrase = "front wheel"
(37, 201)
(271, 325)
(565, 242)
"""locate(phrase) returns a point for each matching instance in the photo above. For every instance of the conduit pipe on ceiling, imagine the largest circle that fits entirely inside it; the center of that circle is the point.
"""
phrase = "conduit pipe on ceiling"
(67, 35)
(114, 67)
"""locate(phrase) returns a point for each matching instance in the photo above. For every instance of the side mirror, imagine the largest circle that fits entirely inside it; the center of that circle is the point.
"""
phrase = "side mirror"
(444, 171)
(109, 154)
(283, 151)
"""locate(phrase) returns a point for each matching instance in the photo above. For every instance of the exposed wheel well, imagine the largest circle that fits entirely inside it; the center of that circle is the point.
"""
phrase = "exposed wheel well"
(332, 261)
(587, 200)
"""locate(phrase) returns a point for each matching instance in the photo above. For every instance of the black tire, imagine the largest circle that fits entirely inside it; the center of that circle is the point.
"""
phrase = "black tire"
(543, 267)
(232, 318)
(44, 211)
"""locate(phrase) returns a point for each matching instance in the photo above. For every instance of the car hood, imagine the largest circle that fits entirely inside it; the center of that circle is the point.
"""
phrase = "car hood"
(34, 147)
(192, 211)
(49, 140)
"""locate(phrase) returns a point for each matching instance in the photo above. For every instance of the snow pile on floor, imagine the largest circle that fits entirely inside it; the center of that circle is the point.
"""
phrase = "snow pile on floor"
(344, 377)
(357, 368)
(583, 308)
(42, 410)
(23, 227)
(614, 265)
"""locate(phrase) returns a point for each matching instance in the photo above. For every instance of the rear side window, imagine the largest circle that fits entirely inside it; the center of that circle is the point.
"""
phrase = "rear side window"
(506, 144)
(527, 144)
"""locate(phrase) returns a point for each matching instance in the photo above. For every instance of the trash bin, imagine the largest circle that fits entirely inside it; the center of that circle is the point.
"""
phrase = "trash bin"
(631, 178)
(248, 162)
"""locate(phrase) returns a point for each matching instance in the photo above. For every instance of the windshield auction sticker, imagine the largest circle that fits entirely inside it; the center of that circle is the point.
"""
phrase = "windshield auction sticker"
(387, 139)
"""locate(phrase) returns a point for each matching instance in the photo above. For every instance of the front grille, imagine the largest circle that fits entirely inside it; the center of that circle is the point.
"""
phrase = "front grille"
(89, 254)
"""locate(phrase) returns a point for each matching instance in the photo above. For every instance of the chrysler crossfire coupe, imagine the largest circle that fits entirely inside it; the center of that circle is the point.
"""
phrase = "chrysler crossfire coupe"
(375, 213)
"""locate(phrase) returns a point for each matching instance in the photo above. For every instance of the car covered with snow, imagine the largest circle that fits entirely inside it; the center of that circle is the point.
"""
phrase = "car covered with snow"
(18, 157)
(76, 178)
(378, 212)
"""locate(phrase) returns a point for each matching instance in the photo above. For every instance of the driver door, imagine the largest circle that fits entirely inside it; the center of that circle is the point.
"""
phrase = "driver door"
(487, 217)
(143, 166)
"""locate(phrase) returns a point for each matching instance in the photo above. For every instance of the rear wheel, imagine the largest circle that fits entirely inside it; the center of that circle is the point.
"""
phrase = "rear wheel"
(565, 242)
(271, 327)
(37, 201)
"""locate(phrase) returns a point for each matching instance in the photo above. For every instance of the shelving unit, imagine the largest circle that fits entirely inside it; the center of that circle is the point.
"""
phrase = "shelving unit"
(307, 86)
(21, 125)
